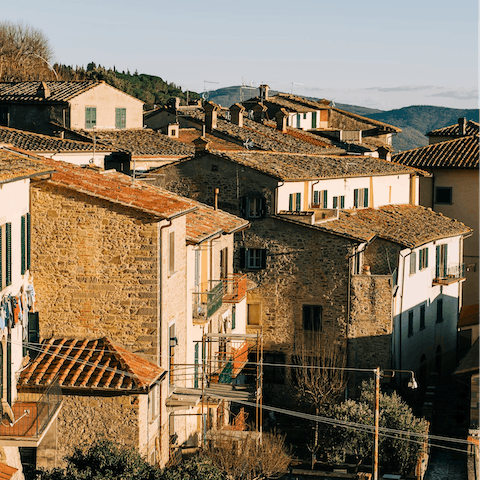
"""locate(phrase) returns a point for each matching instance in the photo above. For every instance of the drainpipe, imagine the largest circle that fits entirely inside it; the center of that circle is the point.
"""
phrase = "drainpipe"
(159, 287)
(313, 184)
(403, 257)
(276, 197)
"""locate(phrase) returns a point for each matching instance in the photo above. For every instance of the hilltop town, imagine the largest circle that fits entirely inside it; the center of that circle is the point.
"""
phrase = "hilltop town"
(194, 278)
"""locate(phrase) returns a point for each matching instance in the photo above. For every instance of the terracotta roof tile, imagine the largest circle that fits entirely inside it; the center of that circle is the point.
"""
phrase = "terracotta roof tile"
(458, 153)
(89, 364)
(35, 142)
(290, 166)
(60, 91)
(6, 471)
(144, 142)
(407, 225)
(14, 166)
(119, 188)
(471, 128)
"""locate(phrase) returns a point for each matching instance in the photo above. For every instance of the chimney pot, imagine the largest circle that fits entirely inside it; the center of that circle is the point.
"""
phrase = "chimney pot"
(201, 145)
(43, 90)
(211, 112)
(264, 92)
(236, 113)
(462, 125)
(281, 117)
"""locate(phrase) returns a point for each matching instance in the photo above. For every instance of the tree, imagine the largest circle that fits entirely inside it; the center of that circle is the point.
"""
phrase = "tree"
(395, 450)
(248, 455)
(107, 461)
(25, 53)
(318, 378)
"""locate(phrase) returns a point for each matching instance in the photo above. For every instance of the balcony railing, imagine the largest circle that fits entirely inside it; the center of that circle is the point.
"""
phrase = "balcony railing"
(31, 413)
(443, 275)
(234, 287)
(207, 302)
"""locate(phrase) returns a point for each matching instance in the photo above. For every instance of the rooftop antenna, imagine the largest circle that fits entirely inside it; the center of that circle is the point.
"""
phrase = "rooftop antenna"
(243, 87)
(295, 83)
(205, 93)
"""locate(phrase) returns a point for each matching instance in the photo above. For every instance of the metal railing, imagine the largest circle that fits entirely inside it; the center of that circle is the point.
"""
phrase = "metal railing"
(32, 411)
(443, 275)
(206, 303)
(234, 287)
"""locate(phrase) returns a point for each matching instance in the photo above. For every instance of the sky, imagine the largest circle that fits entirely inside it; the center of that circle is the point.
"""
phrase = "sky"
(374, 53)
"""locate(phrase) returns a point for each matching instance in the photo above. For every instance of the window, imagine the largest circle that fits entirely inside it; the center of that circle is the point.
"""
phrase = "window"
(25, 243)
(304, 116)
(254, 258)
(410, 323)
(171, 256)
(273, 373)
(298, 120)
(413, 263)
(120, 117)
(312, 318)
(314, 119)
(320, 198)
(422, 317)
(4, 117)
(153, 403)
(224, 263)
(254, 311)
(443, 195)
(90, 117)
(423, 258)
(5, 255)
(441, 258)
(252, 207)
(360, 197)
(440, 310)
(171, 357)
(295, 202)
(336, 202)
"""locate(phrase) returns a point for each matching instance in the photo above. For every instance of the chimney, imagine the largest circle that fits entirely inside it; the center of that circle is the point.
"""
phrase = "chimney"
(216, 192)
(172, 130)
(201, 145)
(236, 113)
(211, 110)
(43, 91)
(281, 117)
(264, 92)
(174, 103)
(462, 125)
(259, 112)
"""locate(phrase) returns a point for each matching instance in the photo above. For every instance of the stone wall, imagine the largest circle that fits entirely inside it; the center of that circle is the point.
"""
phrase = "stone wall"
(95, 269)
(370, 329)
(382, 257)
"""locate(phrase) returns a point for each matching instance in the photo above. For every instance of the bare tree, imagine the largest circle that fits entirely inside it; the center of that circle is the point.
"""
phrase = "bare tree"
(25, 53)
(248, 455)
(318, 378)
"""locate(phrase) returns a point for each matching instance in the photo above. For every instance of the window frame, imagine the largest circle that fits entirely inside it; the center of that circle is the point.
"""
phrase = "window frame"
(413, 263)
(250, 314)
(423, 258)
(360, 198)
(312, 316)
(122, 113)
(92, 121)
(320, 198)
(295, 202)
(442, 191)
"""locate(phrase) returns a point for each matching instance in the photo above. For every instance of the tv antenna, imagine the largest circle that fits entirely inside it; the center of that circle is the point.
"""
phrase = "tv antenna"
(205, 93)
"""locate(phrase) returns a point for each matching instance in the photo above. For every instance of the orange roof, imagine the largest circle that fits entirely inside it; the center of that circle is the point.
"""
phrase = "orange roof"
(90, 364)
(14, 166)
(6, 471)
(119, 188)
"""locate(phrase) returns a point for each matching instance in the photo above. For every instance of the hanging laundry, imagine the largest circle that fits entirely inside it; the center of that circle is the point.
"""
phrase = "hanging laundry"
(15, 309)
(31, 297)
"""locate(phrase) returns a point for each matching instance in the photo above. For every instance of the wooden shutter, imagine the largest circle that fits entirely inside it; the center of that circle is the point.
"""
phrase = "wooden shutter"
(365, 198)
(342, 201)
(290, 202)
(22, 248)
(315, 197)
(355, 197)
(335, 202)
(324, 199)
(33, 333)
(8, 256)
(314, 119)
(445, 260)
(28, 237)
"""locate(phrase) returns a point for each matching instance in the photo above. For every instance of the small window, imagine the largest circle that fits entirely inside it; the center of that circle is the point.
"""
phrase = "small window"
(423, 259)
(410, 323)
(254, 311)
(320, 198)
(422, 317)
(443, 195)
(120, 118)
(312, 318)
(224, 262)
(254, 258)
(295, 202)
(440, 310)
(252, 207)
(171, 258)
(413, 263)
(90, 117)
(314, 119)
(360, 197)
(304, 116)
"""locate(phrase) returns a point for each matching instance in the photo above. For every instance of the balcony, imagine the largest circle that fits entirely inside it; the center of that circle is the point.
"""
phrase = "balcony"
(234, 287)
(207, 300)
(443, 275)
(30, 416)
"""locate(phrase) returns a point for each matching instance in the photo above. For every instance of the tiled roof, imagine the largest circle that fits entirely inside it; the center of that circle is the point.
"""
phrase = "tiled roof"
(407, 225)
(118, 188)
(377, 123)
(290, 166)
(14, 166)
(60, 91)
(6, 471)
(205, 222)
(458, 153)
(471, 128)
(35, 142)
(89, 364)
(140, 142)
(188, 135)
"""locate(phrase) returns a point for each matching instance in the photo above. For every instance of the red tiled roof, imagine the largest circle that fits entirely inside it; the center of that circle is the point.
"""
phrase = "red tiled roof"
(471, 128)
(407, 225)
(14, 166)
(119, 188)
(60, 91)
(89, 364)
(6, 471)
(458, 153)
(205, 222)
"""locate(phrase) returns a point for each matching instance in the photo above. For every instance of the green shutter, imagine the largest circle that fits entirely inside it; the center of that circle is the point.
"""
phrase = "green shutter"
(1, 258)
(28, 236)
(120, 117)
(324, 199)
(22, 239)
(426, 257)
(8, 256)
(335, 202)
(342, 201)
(365, 199)
(315, 197)
(298, 205)
(290, 202)
(314, 119)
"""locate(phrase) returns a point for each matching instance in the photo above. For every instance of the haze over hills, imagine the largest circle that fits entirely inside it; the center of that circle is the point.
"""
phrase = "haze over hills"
(415, 121)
